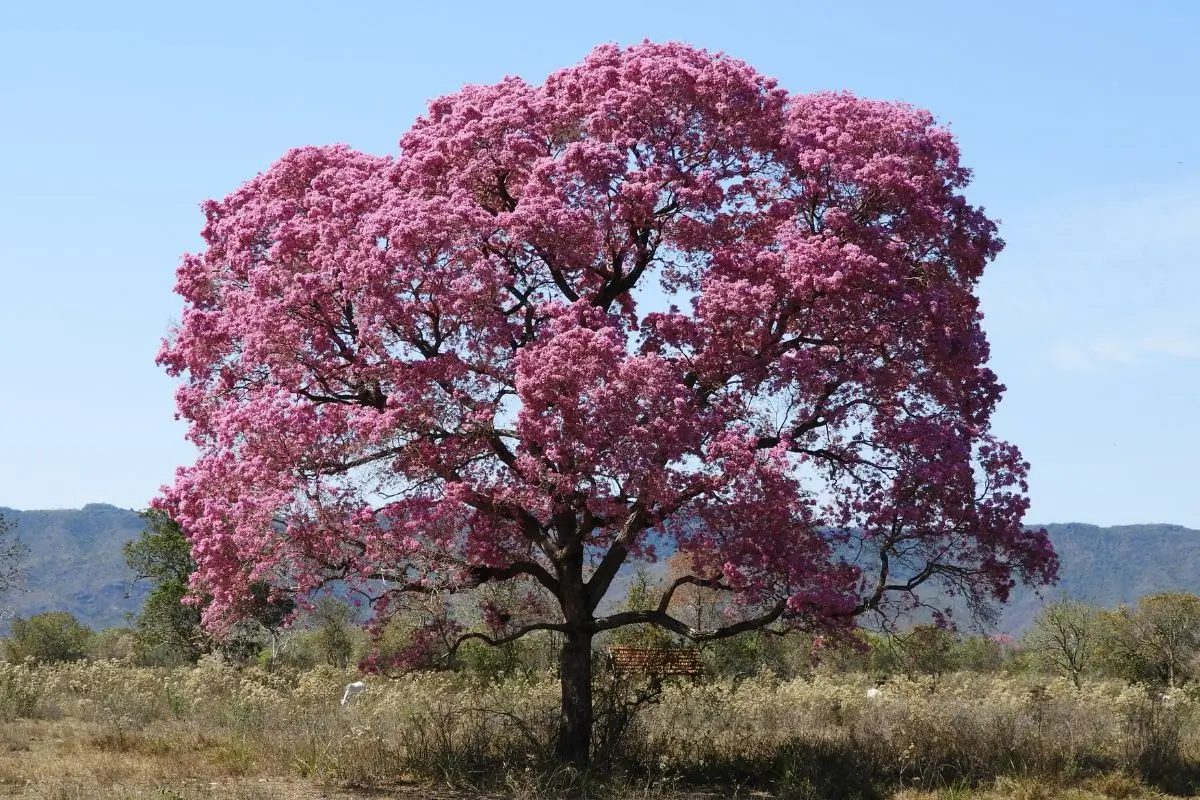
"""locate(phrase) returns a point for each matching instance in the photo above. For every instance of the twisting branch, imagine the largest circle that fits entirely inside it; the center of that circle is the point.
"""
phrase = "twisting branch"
(934, 566)
(817, 419)
(506, 639)
(476, 576)
(871, 601)
(664, 620)
(482, 575)
(665, 602)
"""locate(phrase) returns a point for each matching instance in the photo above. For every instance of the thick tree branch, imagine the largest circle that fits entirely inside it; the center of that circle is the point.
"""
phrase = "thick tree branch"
(664, 602)
(610, 564)
(665, 620)
(481, 575)
(530, 527)
(619, 283)
(506, 639)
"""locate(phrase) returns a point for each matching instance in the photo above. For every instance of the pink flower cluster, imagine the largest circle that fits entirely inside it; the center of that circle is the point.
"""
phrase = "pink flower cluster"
(656, 297)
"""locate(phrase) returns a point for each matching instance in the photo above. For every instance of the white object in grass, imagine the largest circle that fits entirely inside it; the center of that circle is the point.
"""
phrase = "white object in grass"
(352, 691)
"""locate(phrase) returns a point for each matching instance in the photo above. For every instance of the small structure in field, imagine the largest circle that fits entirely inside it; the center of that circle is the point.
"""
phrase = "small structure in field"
(656, 662)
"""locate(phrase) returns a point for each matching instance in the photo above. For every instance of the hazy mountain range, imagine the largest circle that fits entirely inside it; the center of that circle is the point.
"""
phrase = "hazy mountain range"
(75, 563)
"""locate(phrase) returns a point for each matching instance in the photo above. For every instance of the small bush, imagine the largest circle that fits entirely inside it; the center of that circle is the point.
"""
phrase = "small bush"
(49, 637)
(20, 691)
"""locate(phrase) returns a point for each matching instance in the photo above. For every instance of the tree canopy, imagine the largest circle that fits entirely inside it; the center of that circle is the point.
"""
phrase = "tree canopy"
(656, 304)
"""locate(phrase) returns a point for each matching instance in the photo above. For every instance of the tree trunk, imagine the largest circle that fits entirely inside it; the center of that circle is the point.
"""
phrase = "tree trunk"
(575, 720)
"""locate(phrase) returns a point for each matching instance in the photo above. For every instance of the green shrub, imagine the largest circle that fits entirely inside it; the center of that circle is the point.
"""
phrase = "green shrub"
(49, 637)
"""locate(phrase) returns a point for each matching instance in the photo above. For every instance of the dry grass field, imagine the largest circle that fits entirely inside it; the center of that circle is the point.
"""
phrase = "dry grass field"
(107, 731)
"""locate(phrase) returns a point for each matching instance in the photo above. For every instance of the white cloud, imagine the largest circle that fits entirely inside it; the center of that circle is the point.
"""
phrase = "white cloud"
(1107, 351)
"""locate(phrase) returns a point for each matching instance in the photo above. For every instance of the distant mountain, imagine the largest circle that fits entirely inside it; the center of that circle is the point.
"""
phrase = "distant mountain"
(75, 563)
(1104, 566)
(1112, 566)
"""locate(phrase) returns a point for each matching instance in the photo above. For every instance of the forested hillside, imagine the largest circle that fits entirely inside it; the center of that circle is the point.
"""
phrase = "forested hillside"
(1114, 565)
(75, 563)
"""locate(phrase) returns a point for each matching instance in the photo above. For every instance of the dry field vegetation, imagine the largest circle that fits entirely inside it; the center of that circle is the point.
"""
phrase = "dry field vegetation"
(106, 731)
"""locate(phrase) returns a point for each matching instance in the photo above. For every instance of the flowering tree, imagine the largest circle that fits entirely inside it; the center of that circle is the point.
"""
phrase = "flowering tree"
(655, 303)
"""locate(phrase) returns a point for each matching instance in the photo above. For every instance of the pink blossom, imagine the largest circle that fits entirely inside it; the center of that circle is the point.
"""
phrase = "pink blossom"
(439, 369)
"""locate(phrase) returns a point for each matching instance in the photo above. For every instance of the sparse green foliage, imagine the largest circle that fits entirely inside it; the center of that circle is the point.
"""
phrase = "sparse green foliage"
(258, 631)
(643, 594)
(739, 656)
(1156, 642)
(1065, 639)
(703, 608)
(111, 644)
(47, 638)
(924, 650)
(333, 637)
(700, 607)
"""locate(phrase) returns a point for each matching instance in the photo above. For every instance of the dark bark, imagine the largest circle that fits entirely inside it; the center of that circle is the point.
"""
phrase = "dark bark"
(575, 720)
(575, 662)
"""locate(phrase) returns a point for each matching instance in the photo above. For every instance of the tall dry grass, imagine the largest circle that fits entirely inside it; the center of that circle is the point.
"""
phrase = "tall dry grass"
(820, 737)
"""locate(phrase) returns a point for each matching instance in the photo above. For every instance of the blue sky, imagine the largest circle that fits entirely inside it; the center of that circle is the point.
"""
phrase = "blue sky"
(1079, 119)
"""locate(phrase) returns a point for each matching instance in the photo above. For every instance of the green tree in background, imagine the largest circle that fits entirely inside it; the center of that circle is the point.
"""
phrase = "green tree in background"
(983, 653)
(167, 630)
(1156, 642)
(49, 637)
(1066, 638)
(111, 644)
(332, 623)
(268, 614)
